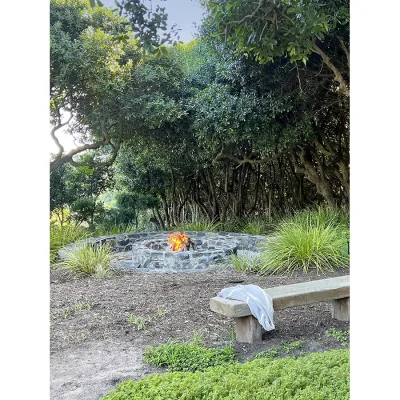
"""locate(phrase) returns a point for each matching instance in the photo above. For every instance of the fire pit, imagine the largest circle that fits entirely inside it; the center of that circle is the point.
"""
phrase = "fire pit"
(181, 252)
(151, 251)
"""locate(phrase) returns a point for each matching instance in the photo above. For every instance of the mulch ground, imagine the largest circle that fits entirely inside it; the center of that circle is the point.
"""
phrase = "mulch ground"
(137, 309)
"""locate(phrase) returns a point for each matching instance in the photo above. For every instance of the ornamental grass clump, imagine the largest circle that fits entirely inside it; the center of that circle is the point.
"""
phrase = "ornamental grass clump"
(198, 225)
(88, 260)
(316, 376)
(309, 239)
(60, 236)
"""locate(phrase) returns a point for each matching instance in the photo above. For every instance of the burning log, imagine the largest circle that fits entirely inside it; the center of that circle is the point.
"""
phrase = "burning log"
(180, 242)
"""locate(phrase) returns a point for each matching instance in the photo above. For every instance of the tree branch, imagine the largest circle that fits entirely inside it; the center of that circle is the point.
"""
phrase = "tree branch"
(338, 76)
(54, 137)
(245, 160)
(345, 49)
(68, 158)
(260, 4)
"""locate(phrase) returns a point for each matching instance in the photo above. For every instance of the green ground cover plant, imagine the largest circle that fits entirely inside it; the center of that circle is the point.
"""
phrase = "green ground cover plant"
(89, 260)
(308, 239)
(341, 336)
(283, 349)
(316, 376)
(188, 357)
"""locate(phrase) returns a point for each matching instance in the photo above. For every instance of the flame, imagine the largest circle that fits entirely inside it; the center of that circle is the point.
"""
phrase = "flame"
(177, 241)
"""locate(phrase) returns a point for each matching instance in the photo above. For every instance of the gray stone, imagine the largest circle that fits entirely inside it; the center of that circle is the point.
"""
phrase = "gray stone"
(341, 309)
(248, 330)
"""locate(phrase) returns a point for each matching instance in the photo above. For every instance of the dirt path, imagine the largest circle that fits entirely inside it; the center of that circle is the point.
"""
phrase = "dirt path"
(100, 328)
(88, 372)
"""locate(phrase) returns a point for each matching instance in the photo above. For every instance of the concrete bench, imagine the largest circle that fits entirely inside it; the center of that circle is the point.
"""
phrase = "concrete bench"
(249, 330)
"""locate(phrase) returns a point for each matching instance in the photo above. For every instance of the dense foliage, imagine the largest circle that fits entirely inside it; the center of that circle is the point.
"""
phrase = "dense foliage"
(312, 377)
(249, 119)
(104, 88)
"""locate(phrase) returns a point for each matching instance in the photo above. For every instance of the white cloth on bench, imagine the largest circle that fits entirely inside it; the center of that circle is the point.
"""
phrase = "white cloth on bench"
(259, 302)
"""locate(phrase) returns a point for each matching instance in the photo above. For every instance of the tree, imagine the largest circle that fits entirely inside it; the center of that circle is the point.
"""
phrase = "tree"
(294, 29)
(77, 189)
(103, 90)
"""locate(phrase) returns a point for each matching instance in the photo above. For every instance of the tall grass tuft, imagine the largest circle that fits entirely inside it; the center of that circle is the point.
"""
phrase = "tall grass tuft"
(60, 236)
(199, 225)
(309, 239)
(89, 260)
(104, 230)
(246, 262)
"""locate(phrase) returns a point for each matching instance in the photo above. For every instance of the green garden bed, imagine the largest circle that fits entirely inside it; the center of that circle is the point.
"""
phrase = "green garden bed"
(316, 376)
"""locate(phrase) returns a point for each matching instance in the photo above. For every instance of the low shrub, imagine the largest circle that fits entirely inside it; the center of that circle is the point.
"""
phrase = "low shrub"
(187, 357)
(315, 376)
(309, 239)
(89, 260)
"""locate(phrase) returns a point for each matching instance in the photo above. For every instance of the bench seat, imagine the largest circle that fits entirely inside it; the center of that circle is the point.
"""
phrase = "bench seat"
(248, 329)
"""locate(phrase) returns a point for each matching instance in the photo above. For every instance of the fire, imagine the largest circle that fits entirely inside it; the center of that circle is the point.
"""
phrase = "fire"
(177, 241)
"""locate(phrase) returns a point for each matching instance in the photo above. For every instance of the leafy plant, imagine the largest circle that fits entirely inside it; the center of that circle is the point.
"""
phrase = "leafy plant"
(340, 336)
(309, 239)
(312, 377)
(191, 356)
(89, 260)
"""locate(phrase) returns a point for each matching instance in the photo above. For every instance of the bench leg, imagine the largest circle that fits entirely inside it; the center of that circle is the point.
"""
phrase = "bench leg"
(248, 330)
(341, 309)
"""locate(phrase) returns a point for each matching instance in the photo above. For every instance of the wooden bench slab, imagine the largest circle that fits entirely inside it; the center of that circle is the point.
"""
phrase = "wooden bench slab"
(336, 290)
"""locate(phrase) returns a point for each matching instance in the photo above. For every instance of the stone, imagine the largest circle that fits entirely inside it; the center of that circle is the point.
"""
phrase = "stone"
(248, 330)
(341, 309)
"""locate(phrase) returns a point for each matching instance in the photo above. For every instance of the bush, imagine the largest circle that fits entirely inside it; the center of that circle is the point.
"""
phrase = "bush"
(89, 260)
(316, 376)
(187, 357)
(310, 239)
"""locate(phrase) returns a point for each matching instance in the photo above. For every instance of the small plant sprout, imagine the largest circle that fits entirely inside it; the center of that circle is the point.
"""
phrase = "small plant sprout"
(160, 312)
(139, 322)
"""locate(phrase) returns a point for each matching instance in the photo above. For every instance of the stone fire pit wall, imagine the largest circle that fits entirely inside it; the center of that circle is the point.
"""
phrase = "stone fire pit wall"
(210, 247)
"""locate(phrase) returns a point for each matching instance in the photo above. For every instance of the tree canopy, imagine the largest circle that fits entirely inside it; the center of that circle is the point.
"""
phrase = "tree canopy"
(250, 117)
